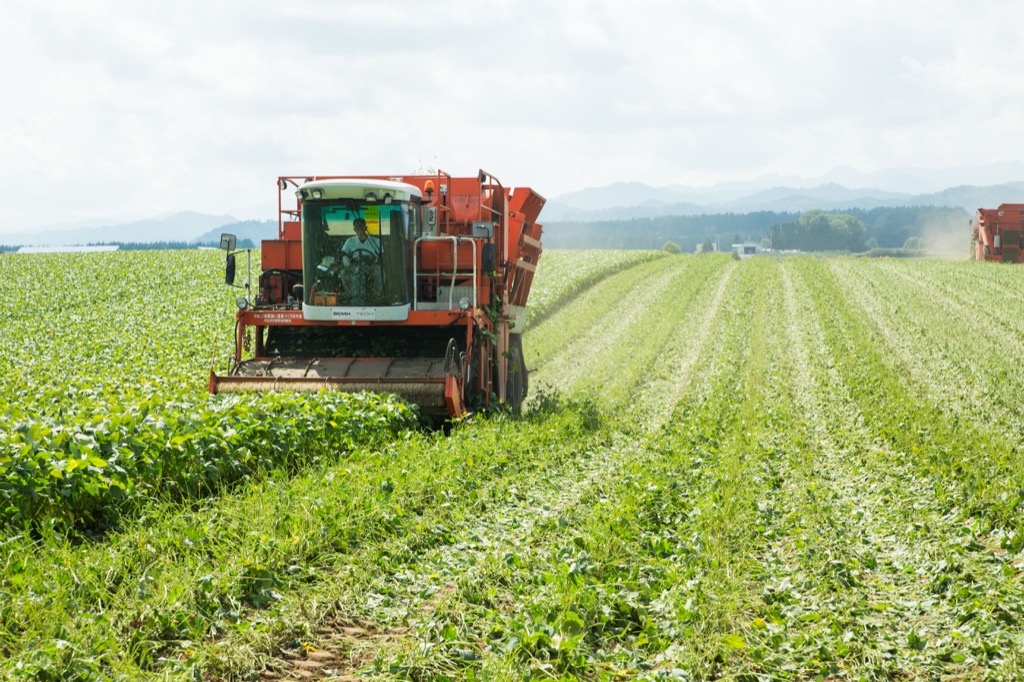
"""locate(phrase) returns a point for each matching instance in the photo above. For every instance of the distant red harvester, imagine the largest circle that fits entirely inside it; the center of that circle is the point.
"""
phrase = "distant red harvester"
(414, 285)
(996, 234)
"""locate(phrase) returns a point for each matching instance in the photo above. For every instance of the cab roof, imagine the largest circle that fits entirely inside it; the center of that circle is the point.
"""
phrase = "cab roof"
(357, 188)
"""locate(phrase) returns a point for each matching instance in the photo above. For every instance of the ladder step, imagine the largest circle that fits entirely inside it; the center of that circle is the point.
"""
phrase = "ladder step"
(531, 242)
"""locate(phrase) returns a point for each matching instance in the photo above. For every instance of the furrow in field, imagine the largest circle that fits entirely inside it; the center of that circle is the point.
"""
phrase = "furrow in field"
(989, 318)
(495, 559)
(564, 274)
(946, 286)
(635, 568)
(661, 557)
(732, 430)
(821, 561)
(647, 353)
(979, 462)
(982, 317)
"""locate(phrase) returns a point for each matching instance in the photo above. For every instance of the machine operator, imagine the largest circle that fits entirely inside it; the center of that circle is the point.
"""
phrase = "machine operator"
(361, 246)
(362, 256)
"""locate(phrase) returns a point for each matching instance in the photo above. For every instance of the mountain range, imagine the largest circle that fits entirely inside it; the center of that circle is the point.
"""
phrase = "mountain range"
(184, 227)
(839, 189)
(624, 201)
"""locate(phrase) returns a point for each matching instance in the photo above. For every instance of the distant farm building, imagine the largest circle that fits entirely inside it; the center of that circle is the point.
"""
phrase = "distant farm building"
(746, 249)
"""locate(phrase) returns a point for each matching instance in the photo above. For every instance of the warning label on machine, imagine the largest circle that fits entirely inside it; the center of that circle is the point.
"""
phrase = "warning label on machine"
(371, 214)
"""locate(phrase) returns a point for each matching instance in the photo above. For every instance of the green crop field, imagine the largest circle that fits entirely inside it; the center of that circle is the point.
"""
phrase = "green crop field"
(769, 469)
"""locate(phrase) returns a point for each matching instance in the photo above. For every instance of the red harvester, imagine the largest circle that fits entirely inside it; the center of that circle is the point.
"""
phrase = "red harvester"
(415, 285)
(996, 234)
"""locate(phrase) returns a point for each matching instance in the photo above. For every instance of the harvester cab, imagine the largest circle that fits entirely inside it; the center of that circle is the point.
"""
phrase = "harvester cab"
(414, 285)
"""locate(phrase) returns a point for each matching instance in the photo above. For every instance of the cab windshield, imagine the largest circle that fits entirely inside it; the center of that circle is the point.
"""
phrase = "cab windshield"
(354, 254)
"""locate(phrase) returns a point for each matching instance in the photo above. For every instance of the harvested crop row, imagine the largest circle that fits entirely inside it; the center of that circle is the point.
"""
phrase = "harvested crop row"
(853, 540)
(976, 465)
(564, 274)
(681, 352)
(602, 302)
(604, 329)
(965, 366)
(646, 571)
(496, 558)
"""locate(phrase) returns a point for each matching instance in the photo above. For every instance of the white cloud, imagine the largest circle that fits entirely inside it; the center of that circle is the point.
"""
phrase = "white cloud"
(118, 109)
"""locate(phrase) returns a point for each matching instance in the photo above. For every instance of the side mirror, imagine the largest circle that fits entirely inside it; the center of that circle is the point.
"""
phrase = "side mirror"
(487, 258)
(229, 269)
(227, 242)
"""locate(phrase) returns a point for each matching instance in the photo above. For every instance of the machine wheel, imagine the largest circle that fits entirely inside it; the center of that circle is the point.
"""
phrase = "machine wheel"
(515, 379)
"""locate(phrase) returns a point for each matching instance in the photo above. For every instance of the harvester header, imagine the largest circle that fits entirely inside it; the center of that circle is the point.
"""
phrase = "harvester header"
(409, 284)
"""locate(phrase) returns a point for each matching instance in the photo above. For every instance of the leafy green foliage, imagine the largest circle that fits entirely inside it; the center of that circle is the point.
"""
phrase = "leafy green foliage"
(87, 465)
(759, 469)
(103, 400)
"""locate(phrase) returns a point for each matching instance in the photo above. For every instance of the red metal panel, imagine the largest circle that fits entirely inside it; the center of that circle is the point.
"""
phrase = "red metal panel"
(274, 254)
(434, 255)
(526, 201)
(281, 254)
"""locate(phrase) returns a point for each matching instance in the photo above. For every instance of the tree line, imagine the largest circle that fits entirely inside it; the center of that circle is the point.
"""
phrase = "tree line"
(848, 230)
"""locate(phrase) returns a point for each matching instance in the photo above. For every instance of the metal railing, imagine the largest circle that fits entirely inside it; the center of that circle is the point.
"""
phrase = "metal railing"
(456, 240)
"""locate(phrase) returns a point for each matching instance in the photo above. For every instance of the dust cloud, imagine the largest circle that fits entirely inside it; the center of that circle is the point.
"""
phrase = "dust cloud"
(949, 238)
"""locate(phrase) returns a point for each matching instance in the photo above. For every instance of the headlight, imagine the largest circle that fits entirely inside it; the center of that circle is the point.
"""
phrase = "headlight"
(463, 303)
(242, 303)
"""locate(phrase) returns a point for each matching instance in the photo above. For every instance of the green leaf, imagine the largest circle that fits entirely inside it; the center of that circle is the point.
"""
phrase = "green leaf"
(733, 642)
(572, 623)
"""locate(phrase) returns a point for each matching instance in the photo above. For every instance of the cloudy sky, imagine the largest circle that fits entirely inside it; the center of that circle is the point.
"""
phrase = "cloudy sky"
(120, 109)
